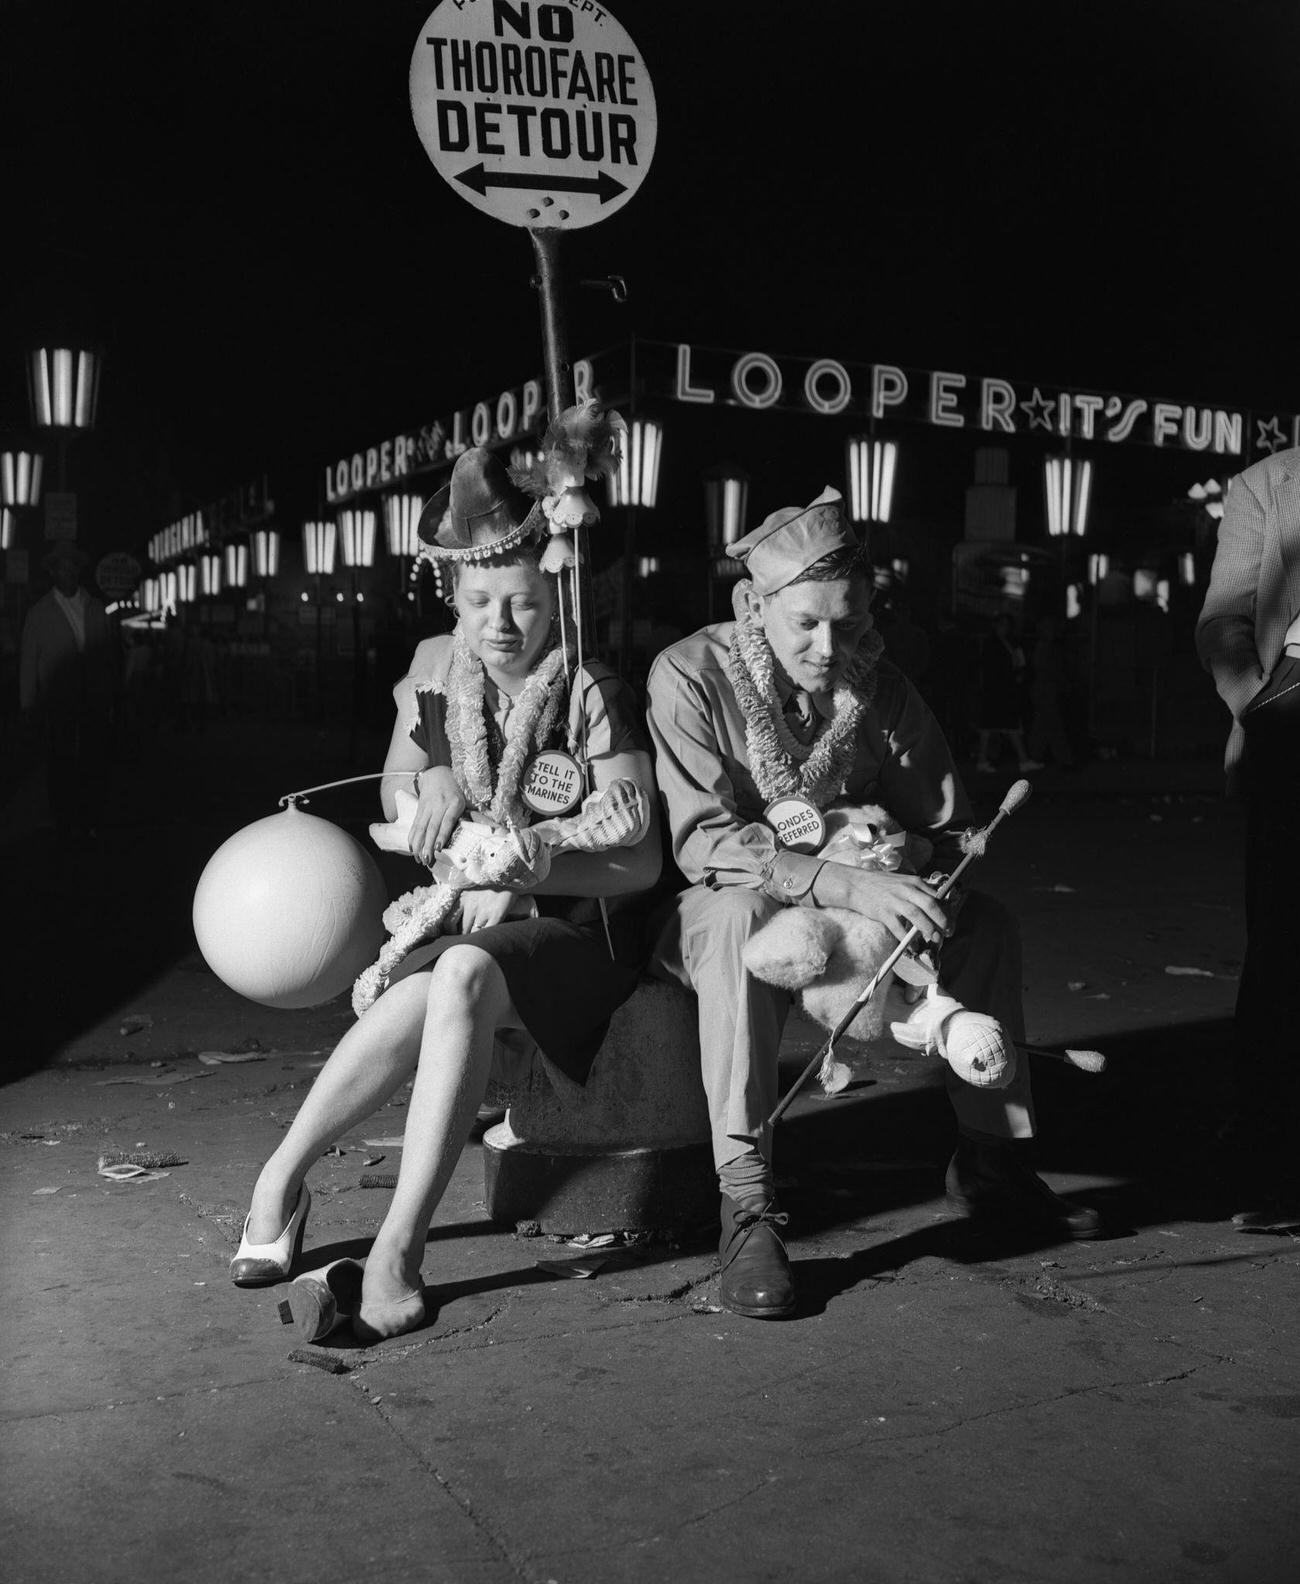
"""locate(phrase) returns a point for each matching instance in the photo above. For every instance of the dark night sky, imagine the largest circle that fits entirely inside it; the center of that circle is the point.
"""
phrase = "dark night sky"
(232, 197)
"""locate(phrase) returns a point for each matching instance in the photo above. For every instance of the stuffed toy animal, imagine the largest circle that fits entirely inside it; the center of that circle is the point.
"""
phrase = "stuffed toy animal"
(480, 854)
(585, 442)
(825, 956)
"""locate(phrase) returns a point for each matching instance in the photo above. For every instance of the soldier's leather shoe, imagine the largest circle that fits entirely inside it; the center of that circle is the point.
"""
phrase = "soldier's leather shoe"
(754, 1266)
(993, 1185)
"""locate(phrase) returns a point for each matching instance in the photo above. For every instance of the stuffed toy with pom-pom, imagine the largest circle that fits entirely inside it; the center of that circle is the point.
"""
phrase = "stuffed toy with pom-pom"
(825, 957)
(584, 442)
(480, 854)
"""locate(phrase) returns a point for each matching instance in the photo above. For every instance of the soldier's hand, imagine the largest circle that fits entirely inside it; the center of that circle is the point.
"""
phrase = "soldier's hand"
(898, 901)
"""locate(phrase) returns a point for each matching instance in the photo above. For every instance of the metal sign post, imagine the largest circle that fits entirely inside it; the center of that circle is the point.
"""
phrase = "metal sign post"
(555, 329)
(543, 116)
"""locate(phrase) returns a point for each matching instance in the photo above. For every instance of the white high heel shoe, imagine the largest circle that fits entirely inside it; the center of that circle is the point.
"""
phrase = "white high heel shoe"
(261, 1264)
(319, 1302)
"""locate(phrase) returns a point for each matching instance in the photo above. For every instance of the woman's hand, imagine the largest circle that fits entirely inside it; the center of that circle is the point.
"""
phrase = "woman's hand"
(482, 909)
(441, 805)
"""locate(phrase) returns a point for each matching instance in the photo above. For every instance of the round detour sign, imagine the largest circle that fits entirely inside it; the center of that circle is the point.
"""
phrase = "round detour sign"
(798, 824)
(541, 115)
(118, 574)
(552, 782)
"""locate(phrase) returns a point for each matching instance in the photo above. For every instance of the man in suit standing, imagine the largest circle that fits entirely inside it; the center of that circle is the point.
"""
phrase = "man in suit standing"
(68, 687)
(1248, 637)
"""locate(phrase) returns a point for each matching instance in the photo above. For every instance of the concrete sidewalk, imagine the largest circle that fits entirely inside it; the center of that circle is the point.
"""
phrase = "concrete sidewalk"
(941, 1408)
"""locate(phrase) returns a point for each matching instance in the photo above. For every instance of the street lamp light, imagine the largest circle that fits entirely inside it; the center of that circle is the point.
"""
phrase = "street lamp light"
(1209, 496)
(8, 527)
(63, 384)
(357, 543)
(266, 552)
(726, 501)
(318, 548)
(357, 538)
(1068, 485)
(637, 481)
(402, 523)
(635, 484)
(64, 387)
(20, 478)
(318, 557)
(726, 506)
(870, 465)
(236, 566)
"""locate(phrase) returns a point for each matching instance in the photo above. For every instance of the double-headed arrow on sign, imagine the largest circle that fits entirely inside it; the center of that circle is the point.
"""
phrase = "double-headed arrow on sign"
(478, 179)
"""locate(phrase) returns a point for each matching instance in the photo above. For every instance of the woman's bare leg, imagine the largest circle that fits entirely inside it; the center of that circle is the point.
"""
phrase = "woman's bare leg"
(468, 1001)
(368, 1065)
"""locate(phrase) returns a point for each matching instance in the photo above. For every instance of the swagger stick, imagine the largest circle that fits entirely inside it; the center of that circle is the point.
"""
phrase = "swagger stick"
(1017, 795)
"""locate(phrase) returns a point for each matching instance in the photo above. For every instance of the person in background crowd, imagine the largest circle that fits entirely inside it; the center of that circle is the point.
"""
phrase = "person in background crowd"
(68, 690)
(1002, 681)
(906, 644)
(794, 694)
(1048, 738)
(952, 683)
(1248, 638)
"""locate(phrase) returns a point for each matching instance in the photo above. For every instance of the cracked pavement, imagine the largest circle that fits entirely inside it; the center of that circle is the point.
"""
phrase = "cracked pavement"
(942, 1408)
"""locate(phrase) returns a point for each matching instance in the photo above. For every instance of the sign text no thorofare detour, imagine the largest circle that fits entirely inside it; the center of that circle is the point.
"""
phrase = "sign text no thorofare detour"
(541, 115)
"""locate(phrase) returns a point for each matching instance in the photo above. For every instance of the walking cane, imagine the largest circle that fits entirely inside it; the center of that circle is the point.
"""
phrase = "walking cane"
(1016, 797)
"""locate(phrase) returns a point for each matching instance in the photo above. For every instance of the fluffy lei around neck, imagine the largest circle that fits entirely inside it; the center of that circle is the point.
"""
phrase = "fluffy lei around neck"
(783, 766)
(532, 721)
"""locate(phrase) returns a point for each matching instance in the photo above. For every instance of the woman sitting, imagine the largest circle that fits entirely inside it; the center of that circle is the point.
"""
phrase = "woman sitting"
(542, 968)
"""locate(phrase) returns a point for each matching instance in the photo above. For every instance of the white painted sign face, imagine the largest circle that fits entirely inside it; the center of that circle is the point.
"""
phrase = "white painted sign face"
(118, 574)
(539, 114)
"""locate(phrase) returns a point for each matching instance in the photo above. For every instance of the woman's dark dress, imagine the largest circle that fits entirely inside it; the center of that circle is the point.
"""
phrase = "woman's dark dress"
(562, 979)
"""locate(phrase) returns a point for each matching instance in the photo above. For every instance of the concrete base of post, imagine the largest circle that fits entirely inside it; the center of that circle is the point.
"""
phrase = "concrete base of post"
(627, 1151)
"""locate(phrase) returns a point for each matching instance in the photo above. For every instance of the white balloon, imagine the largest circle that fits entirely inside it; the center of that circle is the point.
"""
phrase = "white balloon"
(289, 910)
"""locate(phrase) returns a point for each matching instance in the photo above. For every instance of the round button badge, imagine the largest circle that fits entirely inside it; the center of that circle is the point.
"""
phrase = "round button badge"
(798, 824)
(552, 782)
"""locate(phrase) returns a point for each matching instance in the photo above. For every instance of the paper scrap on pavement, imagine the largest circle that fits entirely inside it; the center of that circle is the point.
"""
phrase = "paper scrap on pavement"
(217, 1058)
(575, 1269)
(125, 1171)
(146, 1158)
(394, 1142)
(1191, 973)
(36, 1191)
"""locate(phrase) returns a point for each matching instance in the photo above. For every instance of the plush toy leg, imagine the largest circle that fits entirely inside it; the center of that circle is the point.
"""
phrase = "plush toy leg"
(413, 919)
(617, 817)
(973, 1044)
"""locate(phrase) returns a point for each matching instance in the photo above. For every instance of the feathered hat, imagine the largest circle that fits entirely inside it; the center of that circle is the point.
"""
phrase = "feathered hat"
(479, 513)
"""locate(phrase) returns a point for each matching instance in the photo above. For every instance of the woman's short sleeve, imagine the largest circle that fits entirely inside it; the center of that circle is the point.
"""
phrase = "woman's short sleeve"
(420, 696)
(613, 720)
